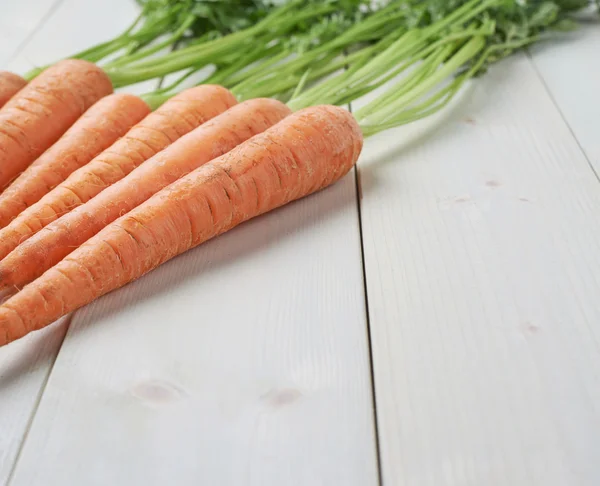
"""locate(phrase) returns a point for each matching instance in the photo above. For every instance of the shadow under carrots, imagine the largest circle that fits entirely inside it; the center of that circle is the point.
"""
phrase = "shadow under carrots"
(40, 348)
(232, 249)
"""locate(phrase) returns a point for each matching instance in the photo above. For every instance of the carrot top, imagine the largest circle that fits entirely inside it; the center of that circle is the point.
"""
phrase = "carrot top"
(417, 53)
(166, 23)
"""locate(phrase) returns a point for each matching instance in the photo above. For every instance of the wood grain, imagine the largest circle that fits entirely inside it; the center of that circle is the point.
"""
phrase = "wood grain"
(482, 247)
(24, 367)
(61, 36)
(244, 361)
(570, 70)
(19, 21)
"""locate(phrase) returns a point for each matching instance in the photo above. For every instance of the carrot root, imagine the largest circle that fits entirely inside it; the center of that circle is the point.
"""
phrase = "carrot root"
(177, 117)
(212, 139)
(304, 153)
(39, 114)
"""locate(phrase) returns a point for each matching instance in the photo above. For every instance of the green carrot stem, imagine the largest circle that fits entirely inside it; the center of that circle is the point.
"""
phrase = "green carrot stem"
(211, 51)
(466, 53)
(158, 47)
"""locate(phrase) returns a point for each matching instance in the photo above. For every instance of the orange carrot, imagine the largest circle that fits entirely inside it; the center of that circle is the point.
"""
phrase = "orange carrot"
(37, 116)
(178, 116)
(214, 138)
(99, 127)
(305, 152)
(10, 84)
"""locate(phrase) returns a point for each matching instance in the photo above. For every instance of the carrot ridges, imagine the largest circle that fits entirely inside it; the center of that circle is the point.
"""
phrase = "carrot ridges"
(309, 149)
(100, 126)
(10, 84)
(160, 127)
(33, 119)
(60, 237)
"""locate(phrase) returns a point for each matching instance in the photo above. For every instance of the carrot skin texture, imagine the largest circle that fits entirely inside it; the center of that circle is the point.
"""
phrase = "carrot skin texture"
(207, 142)
(100, 126)
(302, 154)
(40, 113)
(10, 85)
(177, 117)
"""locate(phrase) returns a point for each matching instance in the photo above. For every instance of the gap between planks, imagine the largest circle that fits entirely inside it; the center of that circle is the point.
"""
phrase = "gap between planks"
(23, 44)
(447, 444)
(368, 320)
(585, 34)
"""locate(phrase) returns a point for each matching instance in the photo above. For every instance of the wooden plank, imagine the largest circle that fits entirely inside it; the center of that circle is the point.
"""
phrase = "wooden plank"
(62, 35)
(24, 366)
(18, 21)
(24, 369)
(481, 252)
(244, 361)
(571, 72)
(96, 22)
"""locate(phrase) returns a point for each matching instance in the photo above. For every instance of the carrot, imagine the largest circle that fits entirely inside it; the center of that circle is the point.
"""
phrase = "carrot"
(214, 138)
(100, 126)
(36, 117)
(305, 152)
(10, 84)
(178, 116)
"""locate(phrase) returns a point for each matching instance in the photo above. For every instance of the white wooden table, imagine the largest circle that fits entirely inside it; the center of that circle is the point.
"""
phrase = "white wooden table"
(431, 320)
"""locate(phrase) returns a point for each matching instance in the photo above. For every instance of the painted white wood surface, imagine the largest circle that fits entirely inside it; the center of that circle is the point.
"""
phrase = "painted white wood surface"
(18, 21)
(482, 263)
(24, 369)
(243, 362)
(571, 73)
(25, 366)
(482, 255)
(76, 25)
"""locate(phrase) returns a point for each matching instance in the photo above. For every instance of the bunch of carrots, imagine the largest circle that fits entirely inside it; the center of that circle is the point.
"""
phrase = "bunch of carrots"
(99, 188)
